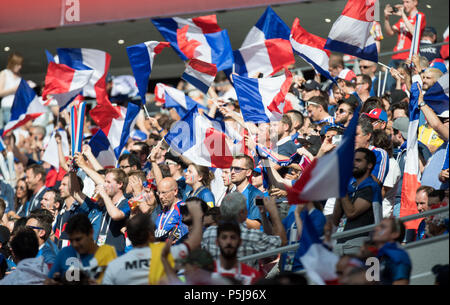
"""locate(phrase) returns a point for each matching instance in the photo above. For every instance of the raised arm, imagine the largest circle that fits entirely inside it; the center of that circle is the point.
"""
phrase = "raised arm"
(81, 162)
(87, 152)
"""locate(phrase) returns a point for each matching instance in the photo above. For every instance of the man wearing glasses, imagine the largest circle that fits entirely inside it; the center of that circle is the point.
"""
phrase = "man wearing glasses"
(369, 68)
(345, 110)
(363, 85)
(241, 171)
(129, 162)
(40, 222)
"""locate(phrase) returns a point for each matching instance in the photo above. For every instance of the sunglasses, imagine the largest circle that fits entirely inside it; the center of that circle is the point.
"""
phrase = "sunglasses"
(341, 111)
(237, 169)
(364, 67)
(20, 188)
(35, 228)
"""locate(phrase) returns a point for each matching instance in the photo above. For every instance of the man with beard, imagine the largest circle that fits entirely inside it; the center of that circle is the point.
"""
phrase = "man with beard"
(227, 265)
(362, 204)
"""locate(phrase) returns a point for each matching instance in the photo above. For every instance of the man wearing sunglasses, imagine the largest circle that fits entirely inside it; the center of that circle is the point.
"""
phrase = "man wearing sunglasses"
(241, 171)
(41, 224)
(345, 110)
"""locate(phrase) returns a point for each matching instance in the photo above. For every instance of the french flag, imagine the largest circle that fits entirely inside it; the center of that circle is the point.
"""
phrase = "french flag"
(160, 95)
(416, 36)
(141, 59)
(77, 113)
(437, 96)
(328, 176)
(2, 145)
(195, 136)
(26, 107)
(318, 261)
(267, 57)
(214, 44)
(311, 48)
(200, 74)
(268, 26)
(350, 34)
(89, 59)
(102, 150)
(176, 99)
(262, 99)
(411, 174)
(63, 83)
(51, 151)
(444, 48)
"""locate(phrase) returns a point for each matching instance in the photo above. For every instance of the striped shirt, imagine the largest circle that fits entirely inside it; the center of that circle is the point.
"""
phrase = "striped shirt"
(382, 166)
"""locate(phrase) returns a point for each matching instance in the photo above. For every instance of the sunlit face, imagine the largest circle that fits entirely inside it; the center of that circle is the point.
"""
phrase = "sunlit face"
(361, 140)
(228, 242)
(111, 185)
(429, 79)
(21, 189)
(239, 171)
(64, 188)
(31, 179)
(167, 192)
(191, 175)
(226, 177)
(409, 5)
(48, 202)
(422, 201)
(343, 114)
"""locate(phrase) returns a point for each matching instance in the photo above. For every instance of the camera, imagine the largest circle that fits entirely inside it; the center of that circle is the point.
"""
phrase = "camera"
(394, 9)
(259, 201)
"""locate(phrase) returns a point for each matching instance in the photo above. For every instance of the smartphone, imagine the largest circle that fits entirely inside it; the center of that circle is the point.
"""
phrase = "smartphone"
(259, 201)
(394, 9)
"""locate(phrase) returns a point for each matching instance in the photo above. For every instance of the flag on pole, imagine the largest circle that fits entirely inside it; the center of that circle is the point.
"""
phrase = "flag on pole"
(311, 48)
(437, 97)
(102, 150)
(63, 83)
(196, 138)
(77, 113)
(411, 175)
(200, 74)
(141, 59)
(26, 106)
(329, 175)
(262, 99)
(416, 36)
(214, 44)
(350, 34)
(176, 99)
(51, 155)
(89, 59)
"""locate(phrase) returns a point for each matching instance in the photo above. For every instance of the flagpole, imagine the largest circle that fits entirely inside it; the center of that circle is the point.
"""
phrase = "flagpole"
(384, 82)
(379, 84)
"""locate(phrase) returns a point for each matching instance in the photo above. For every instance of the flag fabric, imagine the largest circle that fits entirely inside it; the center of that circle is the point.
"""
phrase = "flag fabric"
(196, 138)
(311, 48)
(85, 59)
(51, 155)
(416, 37)
(26, 106)
(160, 93)
(77, 113)
(411, 175)
(262, 99)
(2, 145)
(445, 49)
(328, 176)
(266, 56)
(268, 26)
(200, 74)
(318, 261)
(176, 99)
(102, 150)
(141, 59)
(214, 44)
(63, 83)
(350, 33)
(116, 123)
(49, 56)
(437, 96)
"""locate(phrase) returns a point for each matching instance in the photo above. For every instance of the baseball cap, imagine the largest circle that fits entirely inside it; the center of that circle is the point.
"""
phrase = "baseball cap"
(378, 114)
(311, 85)
(430, 29)
(402, 125)
(439, 64)
(347, 74)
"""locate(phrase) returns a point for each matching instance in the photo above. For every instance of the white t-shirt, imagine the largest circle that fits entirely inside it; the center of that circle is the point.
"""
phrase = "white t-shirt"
(11, 81)
(392, 181)
(133, 267)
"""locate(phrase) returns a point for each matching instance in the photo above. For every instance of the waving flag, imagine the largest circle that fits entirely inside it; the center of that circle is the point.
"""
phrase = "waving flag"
(64, 83)
(176, 99)
(196, 138)
(141, 59)
(350, 34)
(51, 151)
(266, 57)
(411, 175)
(416, 36)
(26, 106)
(268, 26)
(2, 145)
(311, 48)
(160, 95)
(214, 44)
(437, 96)
(262, 99)
(89, 59)
(49, 56)
(77, 113)
(102, 150)
(200, 74)
(318, 261)
(329, 175)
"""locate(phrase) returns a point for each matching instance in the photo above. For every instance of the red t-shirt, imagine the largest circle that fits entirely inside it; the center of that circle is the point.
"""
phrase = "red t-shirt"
(405, 37)
(243, 273)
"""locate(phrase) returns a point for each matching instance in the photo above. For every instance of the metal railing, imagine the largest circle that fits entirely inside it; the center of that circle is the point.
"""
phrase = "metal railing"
(342, 235)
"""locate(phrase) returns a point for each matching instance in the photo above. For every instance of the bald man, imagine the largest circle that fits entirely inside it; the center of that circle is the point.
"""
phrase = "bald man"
(169, 222)
(430, 76)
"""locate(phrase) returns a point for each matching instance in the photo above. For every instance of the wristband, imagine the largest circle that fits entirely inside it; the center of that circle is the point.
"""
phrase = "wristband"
(161, 130)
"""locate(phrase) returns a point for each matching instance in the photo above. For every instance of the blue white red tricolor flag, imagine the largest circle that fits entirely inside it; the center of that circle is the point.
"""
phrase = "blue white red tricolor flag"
(89, 59)
(416, 37)
(102, 150)
(262, 99)
(437, 97)
(327, 176)
(77, 113)
(176, 99)
(267, 57)
(141, 58)
(195, 136)
(26, 106)
(318, 261)
(213, 43)
(311, 48)
(63, 83)
(350, 33)
(411, 175)
(200, 74)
